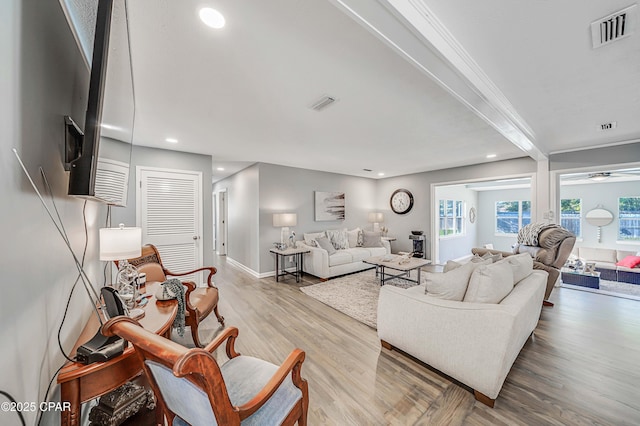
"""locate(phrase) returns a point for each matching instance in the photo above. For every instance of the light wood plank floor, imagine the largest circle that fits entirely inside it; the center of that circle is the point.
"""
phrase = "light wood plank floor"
(582, 367)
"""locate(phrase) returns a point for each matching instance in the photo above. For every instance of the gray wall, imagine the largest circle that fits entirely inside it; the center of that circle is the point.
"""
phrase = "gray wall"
(420, 186)
(486, 216)
(289, 189)
(620, 154)
(454, 247)
(605, 194)
(163, 158)
(242, 216)
(43, 79)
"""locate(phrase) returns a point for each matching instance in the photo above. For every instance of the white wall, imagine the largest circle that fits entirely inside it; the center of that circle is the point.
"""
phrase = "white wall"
(457, 246)
(605, 194)
(486, 216)
(43, 79)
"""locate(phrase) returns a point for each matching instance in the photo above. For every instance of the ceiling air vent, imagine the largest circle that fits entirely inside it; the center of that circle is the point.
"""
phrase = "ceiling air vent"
(613, 27)
(322, 103)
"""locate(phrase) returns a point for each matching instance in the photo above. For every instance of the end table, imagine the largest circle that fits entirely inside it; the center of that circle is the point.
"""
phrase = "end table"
(297, 253)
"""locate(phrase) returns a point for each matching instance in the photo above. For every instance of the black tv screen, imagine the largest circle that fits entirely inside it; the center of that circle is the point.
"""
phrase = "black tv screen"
(101, 171)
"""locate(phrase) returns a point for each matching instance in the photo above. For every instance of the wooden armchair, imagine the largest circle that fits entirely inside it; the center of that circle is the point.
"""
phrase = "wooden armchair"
(199, 301)
(193, 389)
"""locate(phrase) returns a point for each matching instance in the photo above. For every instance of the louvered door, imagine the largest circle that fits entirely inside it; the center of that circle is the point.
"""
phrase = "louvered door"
(170, 215)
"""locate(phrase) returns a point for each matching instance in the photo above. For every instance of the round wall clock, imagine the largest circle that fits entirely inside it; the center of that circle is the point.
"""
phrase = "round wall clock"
(401, 201)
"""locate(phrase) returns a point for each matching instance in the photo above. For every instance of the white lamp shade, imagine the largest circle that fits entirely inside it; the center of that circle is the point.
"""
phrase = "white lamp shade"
(285, 219)
(120, 243)
(376, 217)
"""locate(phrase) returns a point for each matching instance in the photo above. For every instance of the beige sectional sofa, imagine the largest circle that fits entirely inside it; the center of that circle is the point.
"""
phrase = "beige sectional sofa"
(475, 343)
(605, 260)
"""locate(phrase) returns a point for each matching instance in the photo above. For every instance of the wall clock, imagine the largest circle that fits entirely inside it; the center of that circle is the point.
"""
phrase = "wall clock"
(401, 201)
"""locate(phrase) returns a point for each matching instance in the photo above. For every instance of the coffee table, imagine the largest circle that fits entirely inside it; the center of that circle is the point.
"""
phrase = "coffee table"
(397, 264)
(581, 278)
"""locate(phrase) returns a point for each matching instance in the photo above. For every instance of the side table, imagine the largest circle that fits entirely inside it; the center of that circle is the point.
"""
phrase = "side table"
(297, 254)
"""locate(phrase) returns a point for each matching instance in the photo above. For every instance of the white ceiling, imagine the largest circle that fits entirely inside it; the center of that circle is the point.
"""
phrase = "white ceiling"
(242, 93)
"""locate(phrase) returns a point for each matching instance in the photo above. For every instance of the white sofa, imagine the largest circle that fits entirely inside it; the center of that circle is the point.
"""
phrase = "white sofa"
(606, 259)
(318, 262)
(475, 343)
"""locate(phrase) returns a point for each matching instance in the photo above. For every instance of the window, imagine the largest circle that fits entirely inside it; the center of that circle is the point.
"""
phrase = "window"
(451, 217)
(512, 215)
(629, 218)
(571, 215)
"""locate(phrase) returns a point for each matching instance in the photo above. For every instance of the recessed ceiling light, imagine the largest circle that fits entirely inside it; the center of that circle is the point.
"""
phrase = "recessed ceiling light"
(380, 174)
(212, 17)
(171, 140)
(491, 155)
(220, 169)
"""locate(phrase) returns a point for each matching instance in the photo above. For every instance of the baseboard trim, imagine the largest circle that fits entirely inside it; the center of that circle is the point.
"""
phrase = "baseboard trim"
(243, 267)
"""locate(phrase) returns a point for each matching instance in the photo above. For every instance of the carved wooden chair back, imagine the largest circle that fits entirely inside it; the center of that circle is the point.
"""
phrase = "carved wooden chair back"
(193, 389)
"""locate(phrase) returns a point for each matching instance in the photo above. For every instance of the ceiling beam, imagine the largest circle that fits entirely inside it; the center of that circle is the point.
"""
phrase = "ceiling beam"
(411, 29)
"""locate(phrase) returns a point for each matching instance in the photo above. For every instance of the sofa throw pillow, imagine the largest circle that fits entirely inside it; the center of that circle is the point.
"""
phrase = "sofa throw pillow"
(521, 266)
(493, 257)
(629, 262)
(450, 285)
(310, 239)
(338, 238)
(490, 283)
(451, 265)
(372, 239)
(324, 243)
(352, 236)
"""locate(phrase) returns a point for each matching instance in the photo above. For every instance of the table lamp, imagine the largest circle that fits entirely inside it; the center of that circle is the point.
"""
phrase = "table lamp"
(284, 220)
(121, 244)
(376, 218)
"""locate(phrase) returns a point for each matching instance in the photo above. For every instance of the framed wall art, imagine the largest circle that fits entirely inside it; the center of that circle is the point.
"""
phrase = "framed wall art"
(329, 206)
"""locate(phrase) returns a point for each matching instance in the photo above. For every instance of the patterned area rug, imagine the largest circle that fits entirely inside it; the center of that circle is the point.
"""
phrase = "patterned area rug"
(355, 295)
(612, 288)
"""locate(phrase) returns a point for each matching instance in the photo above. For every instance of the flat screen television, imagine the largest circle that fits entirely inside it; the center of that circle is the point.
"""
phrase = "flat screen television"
(101, 169)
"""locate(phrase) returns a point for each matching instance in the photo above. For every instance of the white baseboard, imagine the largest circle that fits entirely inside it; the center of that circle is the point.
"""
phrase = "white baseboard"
(248, 270)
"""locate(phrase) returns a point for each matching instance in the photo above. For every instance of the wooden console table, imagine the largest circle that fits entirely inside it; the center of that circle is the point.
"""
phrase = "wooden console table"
(80, 383)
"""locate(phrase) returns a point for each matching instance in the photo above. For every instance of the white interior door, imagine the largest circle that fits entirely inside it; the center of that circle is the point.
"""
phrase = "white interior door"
(169, 211)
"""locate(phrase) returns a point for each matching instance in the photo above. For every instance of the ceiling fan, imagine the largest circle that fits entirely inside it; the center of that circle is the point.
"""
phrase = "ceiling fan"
(628, 174)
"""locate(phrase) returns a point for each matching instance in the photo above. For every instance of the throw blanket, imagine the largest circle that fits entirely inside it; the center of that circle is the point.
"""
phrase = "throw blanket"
(173, 288)
(528, 234)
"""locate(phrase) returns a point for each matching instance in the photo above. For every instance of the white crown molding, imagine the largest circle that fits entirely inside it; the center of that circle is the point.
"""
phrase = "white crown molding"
(413, 30)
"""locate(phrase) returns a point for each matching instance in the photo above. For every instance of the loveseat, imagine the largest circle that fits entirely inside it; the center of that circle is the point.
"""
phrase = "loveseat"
(475, 343)
(347, 255)
(609, 263)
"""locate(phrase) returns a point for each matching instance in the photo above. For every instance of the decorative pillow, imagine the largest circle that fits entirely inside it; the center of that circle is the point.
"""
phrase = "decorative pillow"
(450, 285)
(310, 239)
(360, 238)
(493, 257)
(521, 265)
(629, 262)
(338, 238)
(372, 239)
(477, 259)
(451, 265)
(323, 242)
(490, 283)
(352, 236)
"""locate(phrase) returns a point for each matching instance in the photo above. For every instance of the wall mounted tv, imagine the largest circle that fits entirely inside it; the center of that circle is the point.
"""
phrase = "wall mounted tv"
(101, 170)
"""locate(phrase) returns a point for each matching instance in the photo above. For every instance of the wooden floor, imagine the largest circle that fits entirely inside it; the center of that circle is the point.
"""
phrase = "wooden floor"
(582, 367)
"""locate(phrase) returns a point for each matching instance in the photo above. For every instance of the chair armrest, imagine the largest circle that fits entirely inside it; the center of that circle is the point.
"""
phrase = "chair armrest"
(190, 285)
(211, 270)
(292, 364)
(229, 334)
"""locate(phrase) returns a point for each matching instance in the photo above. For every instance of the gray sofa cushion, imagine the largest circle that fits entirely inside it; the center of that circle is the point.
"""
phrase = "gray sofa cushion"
(372, 239)
(323, 242)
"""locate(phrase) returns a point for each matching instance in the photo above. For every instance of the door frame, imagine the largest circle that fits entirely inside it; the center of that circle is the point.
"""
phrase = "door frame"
(222, 223)
(140, 169)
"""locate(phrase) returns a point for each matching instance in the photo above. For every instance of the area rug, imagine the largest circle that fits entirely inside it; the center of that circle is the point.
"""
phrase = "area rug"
(612, 288)
(355, 295)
